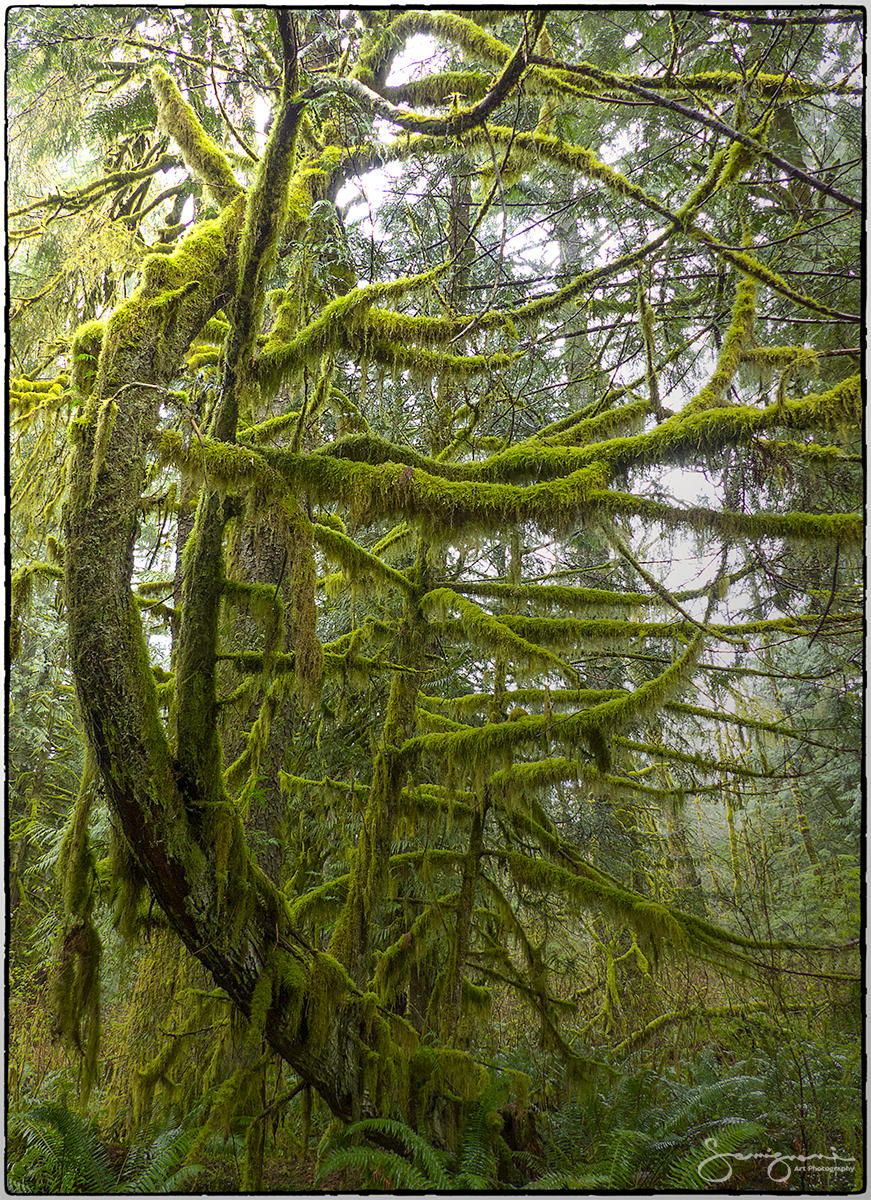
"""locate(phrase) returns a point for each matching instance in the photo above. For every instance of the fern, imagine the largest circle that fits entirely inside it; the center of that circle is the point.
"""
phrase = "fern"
(565, 1181)
(423, 1155)
(63, 1153)
(164, 1168)
(379, 1166)
(477, 1162)
(423, 1173)
(687, 1173)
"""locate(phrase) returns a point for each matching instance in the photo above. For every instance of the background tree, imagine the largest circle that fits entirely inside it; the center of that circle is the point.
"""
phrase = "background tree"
(401, 645)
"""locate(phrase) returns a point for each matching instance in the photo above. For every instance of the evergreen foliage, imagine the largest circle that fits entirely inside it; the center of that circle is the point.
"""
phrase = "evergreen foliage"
(444, 497)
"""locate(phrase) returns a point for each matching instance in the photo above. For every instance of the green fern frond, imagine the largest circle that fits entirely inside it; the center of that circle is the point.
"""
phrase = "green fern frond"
(423, 1155)
(165, 1168)
(65, 1153)
(694, 1171)
(381, 1167)
(567, 1181)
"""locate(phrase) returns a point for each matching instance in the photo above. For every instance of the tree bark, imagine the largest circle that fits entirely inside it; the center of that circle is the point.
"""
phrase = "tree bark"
(166, 820)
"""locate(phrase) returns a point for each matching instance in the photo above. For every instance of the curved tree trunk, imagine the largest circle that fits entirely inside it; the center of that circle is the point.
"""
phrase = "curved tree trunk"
(184, 833)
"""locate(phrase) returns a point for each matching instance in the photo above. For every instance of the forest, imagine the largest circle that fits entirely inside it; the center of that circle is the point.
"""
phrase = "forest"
(435, 613)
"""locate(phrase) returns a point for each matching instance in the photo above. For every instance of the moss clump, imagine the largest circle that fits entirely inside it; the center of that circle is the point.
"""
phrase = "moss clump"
(846, 528)
(204, 157)
(85, 347)
(327, 987)
(76, 979)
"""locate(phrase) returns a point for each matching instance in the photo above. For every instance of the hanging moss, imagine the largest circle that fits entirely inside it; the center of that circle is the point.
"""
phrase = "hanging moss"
(21, 591)
(353, 557)
(85, 346)
(396, 961)
(425, 364)
(282, 356)
(700, 762)
(261, 1001)
(393, 488)
(128, 887)
(555, 698)
(767, 86)
(462, 1074)
(491, 740)
(754, 269)
(76, 975)
(843, 528)
(684, 438)
(478, 624)
(328, 985)
(653, 921)
(204, 157)
(529, 150)
(549, 595)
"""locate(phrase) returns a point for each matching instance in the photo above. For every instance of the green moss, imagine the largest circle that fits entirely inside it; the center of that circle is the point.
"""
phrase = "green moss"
(308, 654)
(337, 546)
(492, 740)
(549, 698)
(105, 422)
(204, 157)
(479, 625)
(477, 1000)
(396, 961)
(284, 357)
(128, 886)
(754, 269)
(699, 762)
(320, 903)
(730, 83)
(424, 364)
(261, 1002)
(76, 978)
(173, 288)
(652, 920)
(448, 26)
(370, 491)
(328, 985)
(737, 339)
(21, 591)
(85, 346)
(549, 595)
(528, 150)
(843, 528)
(463, 1075)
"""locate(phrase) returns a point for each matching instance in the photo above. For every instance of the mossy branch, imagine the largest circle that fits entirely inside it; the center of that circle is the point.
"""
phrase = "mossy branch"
(458, 122)
(347, 553)
(204, 157)
(478, 624)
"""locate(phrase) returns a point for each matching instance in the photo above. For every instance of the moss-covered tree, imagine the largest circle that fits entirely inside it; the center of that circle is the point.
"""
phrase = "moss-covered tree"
(408, 382)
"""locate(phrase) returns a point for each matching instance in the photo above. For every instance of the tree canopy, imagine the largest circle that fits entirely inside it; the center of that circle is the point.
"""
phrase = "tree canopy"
(438, 435)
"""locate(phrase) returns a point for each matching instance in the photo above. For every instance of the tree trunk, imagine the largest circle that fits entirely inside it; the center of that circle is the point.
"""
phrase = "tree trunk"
(240, 929)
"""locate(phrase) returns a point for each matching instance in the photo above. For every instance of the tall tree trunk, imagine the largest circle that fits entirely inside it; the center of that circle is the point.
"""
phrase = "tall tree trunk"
(183, 832)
